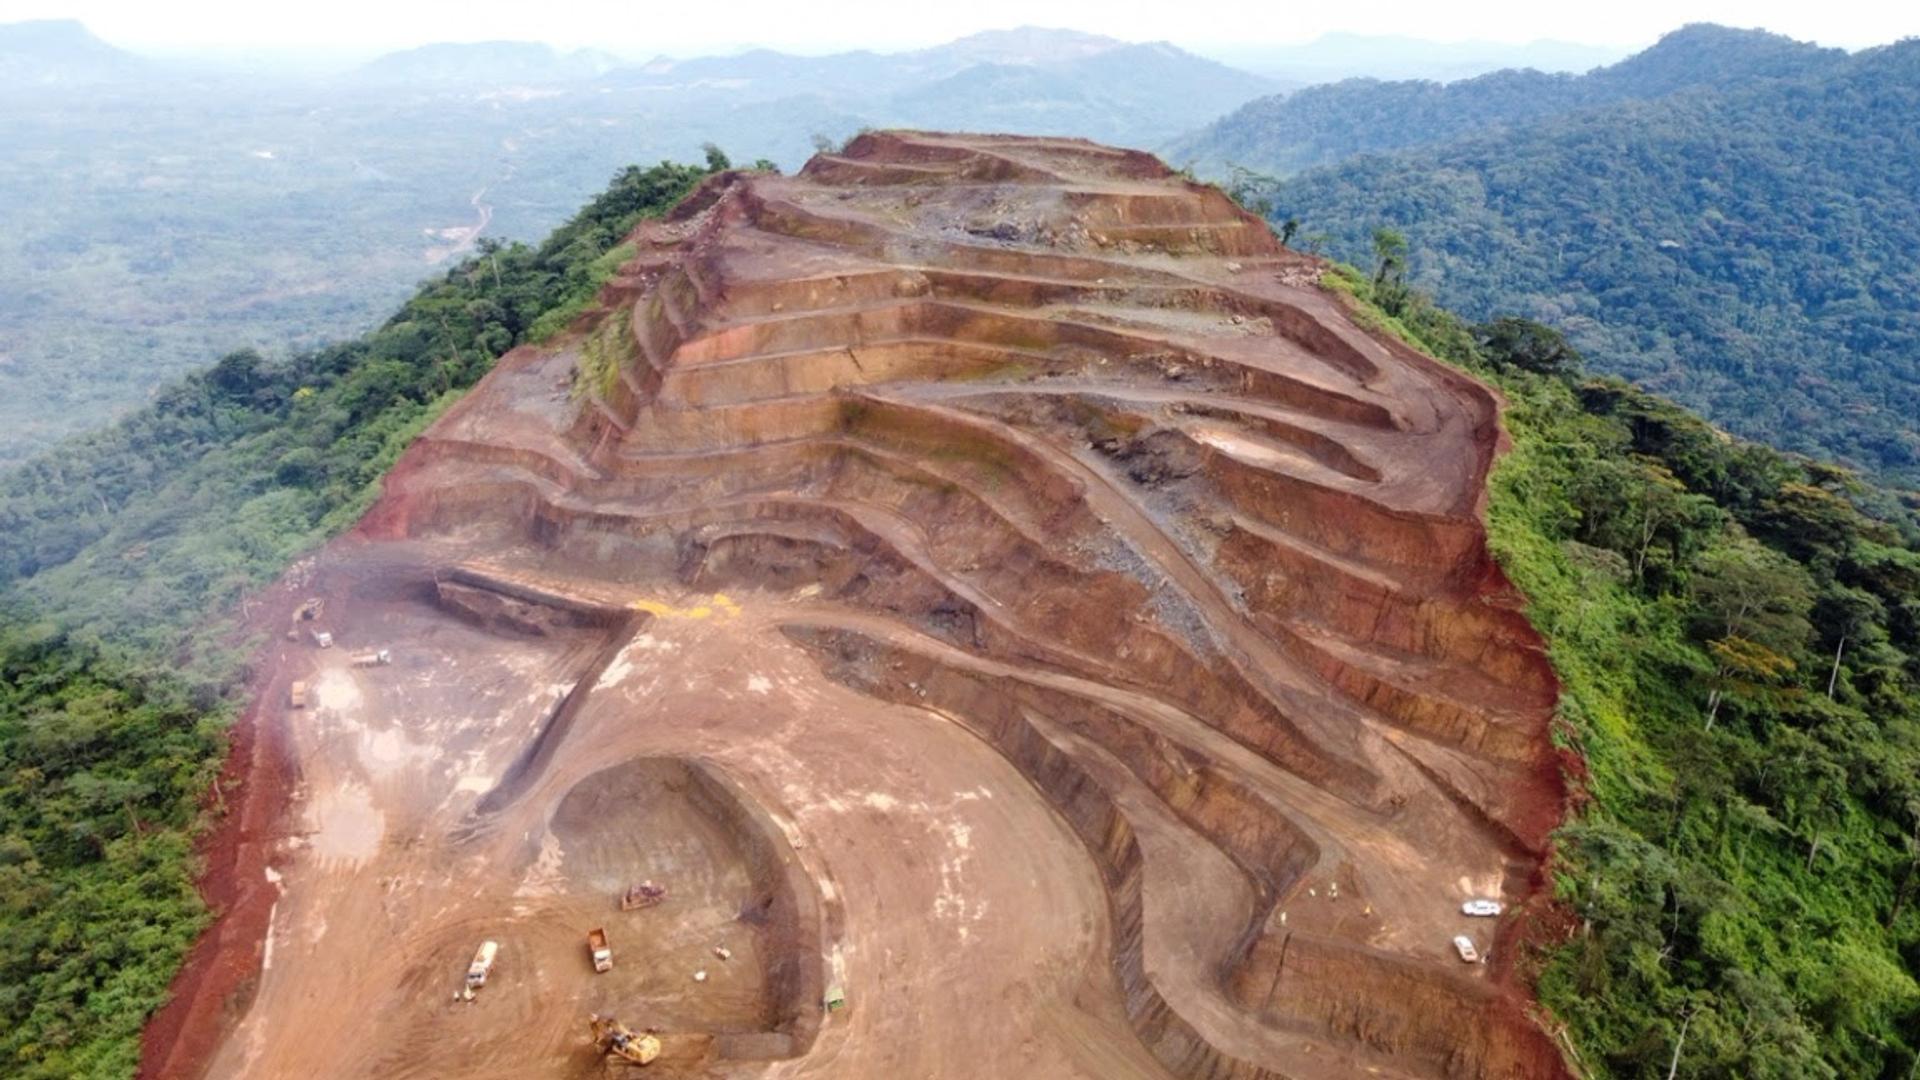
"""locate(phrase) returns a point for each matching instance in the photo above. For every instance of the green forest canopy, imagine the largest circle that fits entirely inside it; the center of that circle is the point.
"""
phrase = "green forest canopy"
(1746, 249)
(1738, 638)
(123, 553)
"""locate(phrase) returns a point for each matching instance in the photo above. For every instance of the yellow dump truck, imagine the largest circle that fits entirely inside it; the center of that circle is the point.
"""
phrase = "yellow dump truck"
(616, 1040)
(297, 695)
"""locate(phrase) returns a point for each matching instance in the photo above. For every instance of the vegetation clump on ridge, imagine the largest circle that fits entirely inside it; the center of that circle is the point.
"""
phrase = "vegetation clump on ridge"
(124, 554)
(1738, 637)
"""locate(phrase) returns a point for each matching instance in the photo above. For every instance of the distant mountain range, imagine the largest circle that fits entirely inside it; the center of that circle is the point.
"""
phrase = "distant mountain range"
(487, 62)
(1337, 56)
(1284, 134)
(1028, 79)
(1729, 218)
(155, 215)
(60, 52)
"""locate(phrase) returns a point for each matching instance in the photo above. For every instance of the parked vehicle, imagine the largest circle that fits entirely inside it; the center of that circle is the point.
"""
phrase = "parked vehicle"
(481, 967)
(598, 949)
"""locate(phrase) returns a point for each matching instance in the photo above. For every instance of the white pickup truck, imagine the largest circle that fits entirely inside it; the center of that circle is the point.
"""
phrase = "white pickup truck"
(481, 967)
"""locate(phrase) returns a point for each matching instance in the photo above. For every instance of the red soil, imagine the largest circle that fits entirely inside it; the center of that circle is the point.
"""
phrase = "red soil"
(1078, 632)
(214, 985)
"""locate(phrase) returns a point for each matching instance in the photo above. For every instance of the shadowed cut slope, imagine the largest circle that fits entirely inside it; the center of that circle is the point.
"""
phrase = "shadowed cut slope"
(1091, 627)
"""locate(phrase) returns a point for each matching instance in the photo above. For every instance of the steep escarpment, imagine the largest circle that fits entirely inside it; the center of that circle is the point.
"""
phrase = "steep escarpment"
(1094, 623)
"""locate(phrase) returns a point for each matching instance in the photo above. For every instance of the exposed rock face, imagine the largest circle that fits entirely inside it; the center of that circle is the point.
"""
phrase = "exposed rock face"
(1040, 438)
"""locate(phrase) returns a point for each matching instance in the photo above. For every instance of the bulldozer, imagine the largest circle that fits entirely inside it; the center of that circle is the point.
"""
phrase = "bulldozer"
(309, 610)
(645, 894)
(617, 1040)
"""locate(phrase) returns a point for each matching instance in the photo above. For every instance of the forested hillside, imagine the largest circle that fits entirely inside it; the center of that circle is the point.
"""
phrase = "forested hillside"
(1747, 252)
(123, 554)
(1321, 125)
(1738, 638)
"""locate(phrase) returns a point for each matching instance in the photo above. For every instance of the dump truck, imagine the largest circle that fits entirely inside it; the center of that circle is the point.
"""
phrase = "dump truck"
(371, 658)
(645, 894)
(321, 638)
(598, 949)
(481, 967)
(310, 609)
(617, 1040)
(297, 695)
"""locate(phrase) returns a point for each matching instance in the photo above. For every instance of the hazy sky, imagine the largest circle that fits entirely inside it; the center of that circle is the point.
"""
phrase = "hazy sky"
(645, 27)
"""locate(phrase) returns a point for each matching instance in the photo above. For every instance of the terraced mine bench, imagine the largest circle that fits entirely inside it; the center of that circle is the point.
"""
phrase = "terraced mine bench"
(1078, 632)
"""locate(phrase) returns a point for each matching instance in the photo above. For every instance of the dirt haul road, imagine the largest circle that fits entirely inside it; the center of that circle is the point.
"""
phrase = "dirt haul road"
(988, 583)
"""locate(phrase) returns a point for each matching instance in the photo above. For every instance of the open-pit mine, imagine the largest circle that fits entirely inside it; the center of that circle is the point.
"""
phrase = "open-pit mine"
(974, 608)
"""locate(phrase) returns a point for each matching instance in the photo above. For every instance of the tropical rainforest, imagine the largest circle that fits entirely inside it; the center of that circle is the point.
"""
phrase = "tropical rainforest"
(1737, 633)
(1743, 247)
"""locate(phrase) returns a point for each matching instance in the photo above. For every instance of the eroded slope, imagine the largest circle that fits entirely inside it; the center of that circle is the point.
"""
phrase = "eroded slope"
(1091, 629)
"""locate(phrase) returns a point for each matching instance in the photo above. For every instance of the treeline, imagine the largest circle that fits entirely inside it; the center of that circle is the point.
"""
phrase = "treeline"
(123, 556)
(1746, 250)
(1738, 635)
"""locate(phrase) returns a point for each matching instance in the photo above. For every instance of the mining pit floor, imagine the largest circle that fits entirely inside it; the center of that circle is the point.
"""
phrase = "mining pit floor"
(988, 584)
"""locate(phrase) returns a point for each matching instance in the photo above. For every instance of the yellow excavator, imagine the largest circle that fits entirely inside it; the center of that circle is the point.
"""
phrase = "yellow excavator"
(312, 609)
(617, 1040)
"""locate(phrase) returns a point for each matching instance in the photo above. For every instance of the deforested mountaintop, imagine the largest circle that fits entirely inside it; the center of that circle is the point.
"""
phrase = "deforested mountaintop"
(1006, 532)
(1741, 248)
(1325, 124)
(1020, 552)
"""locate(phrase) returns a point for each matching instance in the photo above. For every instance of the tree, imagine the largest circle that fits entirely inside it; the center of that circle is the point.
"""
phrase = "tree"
(1745, 590)
(236, 374)
(1636, 507)
(1389, 276)
(1513, 342)
(1390, 253)
(1752, 607)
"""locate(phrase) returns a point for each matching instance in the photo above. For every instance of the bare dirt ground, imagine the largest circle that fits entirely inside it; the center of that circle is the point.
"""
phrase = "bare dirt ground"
(988, 584)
